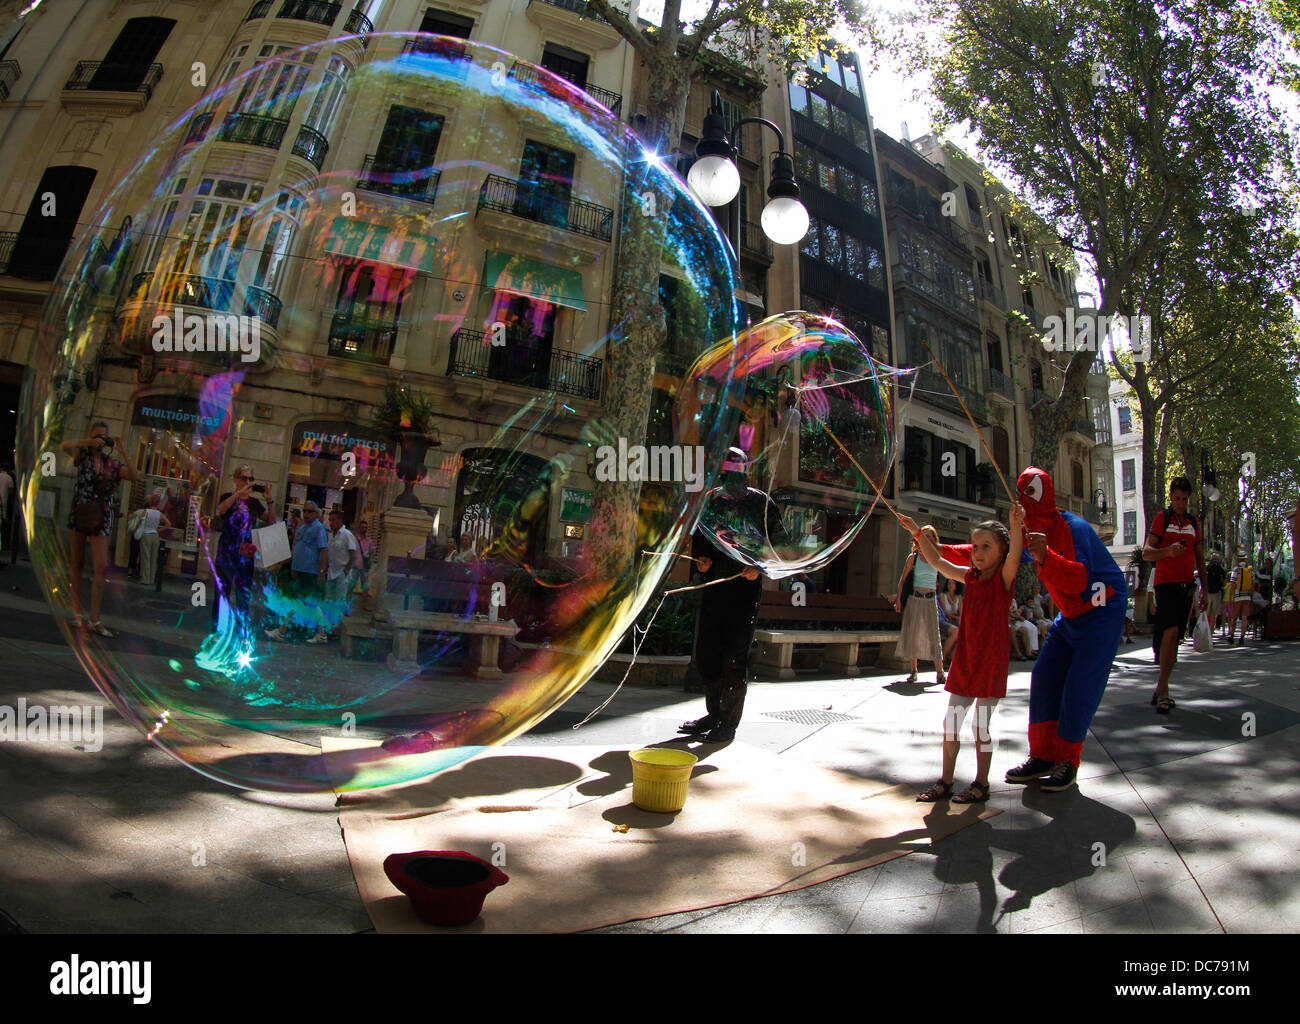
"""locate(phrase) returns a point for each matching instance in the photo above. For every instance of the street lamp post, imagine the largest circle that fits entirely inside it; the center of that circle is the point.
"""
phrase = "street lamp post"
(715, 178)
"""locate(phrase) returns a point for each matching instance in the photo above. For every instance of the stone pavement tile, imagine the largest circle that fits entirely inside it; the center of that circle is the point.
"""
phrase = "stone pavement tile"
(1072, 927)
(1180, 908)
(914, 915)
(1234, 889)
(1156, 869)
(1266, 919)
(297, 914)
(968, 911)
(1055, 906)
(912, 875)
(1128, 919)
(744, 918)
(1106, 887)
(849, 888)
(823, 919)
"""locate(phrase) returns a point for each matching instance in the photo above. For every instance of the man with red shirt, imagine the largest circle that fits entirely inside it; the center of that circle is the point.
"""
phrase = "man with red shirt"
(1175, 546)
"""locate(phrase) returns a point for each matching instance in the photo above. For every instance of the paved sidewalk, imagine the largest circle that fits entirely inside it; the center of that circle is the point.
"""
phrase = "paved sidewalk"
(1186, 823)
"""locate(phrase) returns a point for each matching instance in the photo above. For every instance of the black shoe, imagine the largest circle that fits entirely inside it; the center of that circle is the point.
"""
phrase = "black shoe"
(700, 725)
(719, 735)
(1062, 777)
(1033, 769)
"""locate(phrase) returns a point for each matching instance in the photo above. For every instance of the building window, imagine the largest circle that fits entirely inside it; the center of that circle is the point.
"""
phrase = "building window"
(973, 207)
(545, 184)
(1128, 472)
(407, 148)
(275, 88)
(1125, 419)
(1130, 527)
(568, 64)
(328, 96)
(1076, 480)
(1036, 375)
(444, 23)
(42, 241)
(994, 346)
(126, 64)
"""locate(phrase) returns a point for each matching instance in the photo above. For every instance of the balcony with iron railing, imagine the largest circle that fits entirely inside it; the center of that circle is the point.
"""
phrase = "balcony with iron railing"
(578, 7)
(610, 100)
(754, 242)
(938, 393)
(362, 339)
(356, 23)
(310, 10)
(1083, 425)
(990, 292)
(1000, 384)
(929, 287)
(417, 183)
(258, 10)
(205, 293)
(244, 129)
(10, 72)
(529, 201)
(530, 366)
(311, 145)
(97, 76)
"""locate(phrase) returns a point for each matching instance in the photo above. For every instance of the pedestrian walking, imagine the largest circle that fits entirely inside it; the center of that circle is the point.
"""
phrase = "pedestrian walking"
(1174, 544)
(151, 518)
(344, 559)
(978, 674)
(1245, 590)
(1215, 577)
(918, 637)
(238, 513)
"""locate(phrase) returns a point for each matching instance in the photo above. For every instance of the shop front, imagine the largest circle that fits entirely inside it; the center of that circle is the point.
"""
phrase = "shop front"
(340, 465)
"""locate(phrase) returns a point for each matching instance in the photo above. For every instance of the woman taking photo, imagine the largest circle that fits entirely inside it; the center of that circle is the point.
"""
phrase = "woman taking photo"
(91, 518)
(919, 638)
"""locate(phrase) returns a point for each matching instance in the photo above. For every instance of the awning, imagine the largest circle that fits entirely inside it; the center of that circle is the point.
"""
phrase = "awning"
(506, 272)
(379, 243)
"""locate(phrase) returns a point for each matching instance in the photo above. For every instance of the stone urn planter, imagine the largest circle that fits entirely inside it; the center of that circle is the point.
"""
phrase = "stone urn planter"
(414, 446)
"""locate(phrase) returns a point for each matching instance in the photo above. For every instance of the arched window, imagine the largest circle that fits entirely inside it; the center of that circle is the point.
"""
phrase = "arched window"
(1036, 375)
(1076, 480)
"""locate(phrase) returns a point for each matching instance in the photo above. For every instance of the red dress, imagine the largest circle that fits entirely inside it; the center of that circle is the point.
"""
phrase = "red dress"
(983, 654)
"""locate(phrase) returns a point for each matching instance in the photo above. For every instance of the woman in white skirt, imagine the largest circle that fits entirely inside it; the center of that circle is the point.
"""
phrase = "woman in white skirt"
(919, 639)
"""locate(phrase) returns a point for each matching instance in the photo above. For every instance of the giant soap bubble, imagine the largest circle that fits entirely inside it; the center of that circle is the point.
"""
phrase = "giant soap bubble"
(816, 412)
(376, 278)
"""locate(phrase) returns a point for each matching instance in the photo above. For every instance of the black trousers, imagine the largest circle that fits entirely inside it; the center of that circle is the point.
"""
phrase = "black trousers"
(727, 624)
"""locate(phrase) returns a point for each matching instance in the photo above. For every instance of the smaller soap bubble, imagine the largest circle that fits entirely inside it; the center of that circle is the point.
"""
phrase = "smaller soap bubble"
(813, 448)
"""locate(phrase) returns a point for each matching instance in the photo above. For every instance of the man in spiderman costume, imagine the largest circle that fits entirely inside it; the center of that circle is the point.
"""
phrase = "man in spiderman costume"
(1073, 667)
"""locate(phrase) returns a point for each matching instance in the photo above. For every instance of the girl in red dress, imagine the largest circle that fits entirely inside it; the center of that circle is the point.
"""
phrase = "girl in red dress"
(978, 674)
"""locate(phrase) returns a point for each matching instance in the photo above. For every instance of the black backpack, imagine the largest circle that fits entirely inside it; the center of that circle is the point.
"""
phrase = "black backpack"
(1168, 514)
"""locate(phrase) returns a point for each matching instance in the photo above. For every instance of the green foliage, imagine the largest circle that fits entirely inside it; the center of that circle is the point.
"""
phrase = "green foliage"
(403, 408)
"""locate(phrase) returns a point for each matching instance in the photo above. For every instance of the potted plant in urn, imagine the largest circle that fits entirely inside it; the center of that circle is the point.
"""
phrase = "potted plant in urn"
(406, 415)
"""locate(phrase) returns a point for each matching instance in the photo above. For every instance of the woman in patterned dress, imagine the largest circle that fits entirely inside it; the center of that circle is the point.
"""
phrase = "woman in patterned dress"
(978, 674)
(97, 474)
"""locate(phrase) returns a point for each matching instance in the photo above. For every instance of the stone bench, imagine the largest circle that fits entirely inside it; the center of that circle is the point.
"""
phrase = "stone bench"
(484, 640)
(870, 620)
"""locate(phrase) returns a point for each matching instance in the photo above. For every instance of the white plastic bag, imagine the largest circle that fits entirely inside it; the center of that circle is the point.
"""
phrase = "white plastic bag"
(1201, 634)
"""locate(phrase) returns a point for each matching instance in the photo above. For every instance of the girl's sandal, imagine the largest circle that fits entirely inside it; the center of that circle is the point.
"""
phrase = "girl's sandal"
(972, 794)
(1165, 705)
(99, 629)
(939, 791)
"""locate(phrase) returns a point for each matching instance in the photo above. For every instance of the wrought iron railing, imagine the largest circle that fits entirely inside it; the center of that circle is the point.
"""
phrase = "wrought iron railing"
(357, 23)
(207, 293)
(1001, 384)
(564, 371)
(606, 98)
(754, 241)
(310, 10)
(370, 341)
(415, 183)
(990, 292)
(578, 7)
(7, 240)
(258, 10)
(10, 72)
(95, 74)
(253, 130)
(311, 145)
(199, 127)
(1083, 425)
(531, 202)
(929, 286)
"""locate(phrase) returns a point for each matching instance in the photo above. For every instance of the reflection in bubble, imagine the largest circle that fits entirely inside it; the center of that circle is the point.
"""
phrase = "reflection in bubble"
(381, 287)
(815, 409)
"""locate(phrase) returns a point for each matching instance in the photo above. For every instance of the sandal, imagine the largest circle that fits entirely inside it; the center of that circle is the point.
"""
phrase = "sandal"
(99, 629)
(972, 794)
(912, 678)
(1165, 704)
(939, 791)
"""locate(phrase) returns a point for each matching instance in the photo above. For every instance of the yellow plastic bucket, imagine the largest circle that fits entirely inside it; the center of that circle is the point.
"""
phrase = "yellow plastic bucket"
(660, 776)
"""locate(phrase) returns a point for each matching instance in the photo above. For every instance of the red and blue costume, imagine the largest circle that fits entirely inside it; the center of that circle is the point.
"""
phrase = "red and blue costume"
(1073, 667)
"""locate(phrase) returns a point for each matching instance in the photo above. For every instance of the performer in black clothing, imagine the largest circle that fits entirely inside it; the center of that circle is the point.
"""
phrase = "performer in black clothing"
(728, 611)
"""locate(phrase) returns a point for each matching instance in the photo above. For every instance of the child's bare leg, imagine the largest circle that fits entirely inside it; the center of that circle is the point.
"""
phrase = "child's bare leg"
(983, 739)
(951, 748)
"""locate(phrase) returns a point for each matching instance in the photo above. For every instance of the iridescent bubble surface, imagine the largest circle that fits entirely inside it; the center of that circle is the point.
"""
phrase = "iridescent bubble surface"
(815, 413)
(375, 275)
